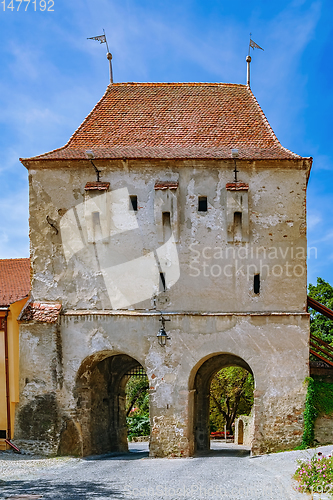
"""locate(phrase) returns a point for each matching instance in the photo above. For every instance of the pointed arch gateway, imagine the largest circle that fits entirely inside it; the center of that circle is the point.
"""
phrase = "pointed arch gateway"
(200, 382)
(101, 402)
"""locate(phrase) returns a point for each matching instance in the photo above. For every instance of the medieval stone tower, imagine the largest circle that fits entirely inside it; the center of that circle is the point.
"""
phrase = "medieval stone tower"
(173, 200)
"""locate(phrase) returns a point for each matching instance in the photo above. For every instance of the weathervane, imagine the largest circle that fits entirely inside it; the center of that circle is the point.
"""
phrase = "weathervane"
(254, 45)
(102, 39)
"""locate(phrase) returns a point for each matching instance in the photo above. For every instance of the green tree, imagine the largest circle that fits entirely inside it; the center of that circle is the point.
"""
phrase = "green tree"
(137, 395)
(231, 395)
(321, 326)
(137, 406)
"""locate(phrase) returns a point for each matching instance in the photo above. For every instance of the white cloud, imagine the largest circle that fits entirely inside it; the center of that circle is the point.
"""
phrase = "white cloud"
(313, 220)
(14, 225)
(278, 80)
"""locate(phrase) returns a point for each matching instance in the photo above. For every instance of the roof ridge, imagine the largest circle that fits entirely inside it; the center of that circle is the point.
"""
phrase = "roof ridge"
(266, 122)
(175, 84)
(15, 258)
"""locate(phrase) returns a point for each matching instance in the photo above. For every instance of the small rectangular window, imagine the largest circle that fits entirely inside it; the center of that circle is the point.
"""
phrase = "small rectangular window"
(256, 284)
(237, 227)
(202, 204)
(3, 434)
(96, 219)
(162, 282)
(133, 203)
(166, 222)
(96, 226)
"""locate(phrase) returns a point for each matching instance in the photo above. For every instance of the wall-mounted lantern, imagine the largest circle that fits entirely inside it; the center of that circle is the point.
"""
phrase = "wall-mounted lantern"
(162, 335)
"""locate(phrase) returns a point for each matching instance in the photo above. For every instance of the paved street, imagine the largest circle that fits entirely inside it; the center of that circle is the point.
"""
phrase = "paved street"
(227, 472)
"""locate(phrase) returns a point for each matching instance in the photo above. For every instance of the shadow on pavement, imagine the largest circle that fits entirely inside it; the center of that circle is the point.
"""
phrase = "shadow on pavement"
(81, 490)
(130, 455)
(224, 452)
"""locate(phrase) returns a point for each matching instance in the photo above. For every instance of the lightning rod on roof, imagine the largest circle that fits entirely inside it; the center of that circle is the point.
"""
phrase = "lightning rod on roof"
(254, 45)
(102, 39)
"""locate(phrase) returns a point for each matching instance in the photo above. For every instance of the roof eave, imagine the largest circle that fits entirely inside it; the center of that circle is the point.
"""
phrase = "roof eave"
(30, 162)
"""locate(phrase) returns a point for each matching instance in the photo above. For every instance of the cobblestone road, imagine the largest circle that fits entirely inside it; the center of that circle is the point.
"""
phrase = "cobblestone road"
(225, 473)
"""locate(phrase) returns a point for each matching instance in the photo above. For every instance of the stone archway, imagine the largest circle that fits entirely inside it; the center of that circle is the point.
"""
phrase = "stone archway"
(201, 402)
(101, 402)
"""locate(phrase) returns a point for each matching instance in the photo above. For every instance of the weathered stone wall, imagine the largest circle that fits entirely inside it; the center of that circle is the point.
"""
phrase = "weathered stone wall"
(98, 258)
(324, 429)
(216, 274)
(274, 347)
(40, 418)
(244, 430)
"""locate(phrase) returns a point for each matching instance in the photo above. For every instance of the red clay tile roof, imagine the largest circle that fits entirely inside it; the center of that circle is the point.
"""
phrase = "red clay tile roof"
(166, 185)
(174, 120)
(14, 280)
(97, 186)
(236, 186)
(38, 311)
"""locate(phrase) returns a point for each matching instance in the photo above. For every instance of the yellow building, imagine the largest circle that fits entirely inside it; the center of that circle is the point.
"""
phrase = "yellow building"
(14, 291)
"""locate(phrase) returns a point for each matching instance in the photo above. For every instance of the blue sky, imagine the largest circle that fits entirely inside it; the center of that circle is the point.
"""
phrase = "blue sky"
(52, 76)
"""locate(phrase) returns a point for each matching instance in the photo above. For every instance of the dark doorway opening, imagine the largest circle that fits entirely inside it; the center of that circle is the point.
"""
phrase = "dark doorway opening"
(101, 402)
(231, 395)
(209, 373)
(137, 405)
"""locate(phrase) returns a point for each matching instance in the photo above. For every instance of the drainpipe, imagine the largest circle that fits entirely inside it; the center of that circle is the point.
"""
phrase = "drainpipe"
(9, 426)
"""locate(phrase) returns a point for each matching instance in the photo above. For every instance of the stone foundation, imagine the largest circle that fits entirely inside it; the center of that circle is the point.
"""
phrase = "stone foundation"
(168, 438)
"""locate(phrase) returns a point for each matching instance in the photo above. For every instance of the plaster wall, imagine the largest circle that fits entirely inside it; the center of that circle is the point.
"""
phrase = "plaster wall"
(3, 405)
(13, 365)
(215, 275)
(274, 346)
(244, 430)
(103, 262)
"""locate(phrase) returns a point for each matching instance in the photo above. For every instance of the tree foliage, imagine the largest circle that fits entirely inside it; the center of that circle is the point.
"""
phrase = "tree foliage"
(231, 395)
(321, 326)
(137, 406)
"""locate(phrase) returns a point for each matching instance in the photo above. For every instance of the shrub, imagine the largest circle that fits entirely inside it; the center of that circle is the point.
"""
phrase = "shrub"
(310, 415)
(138, 425)
(319, 401)
(315, 475)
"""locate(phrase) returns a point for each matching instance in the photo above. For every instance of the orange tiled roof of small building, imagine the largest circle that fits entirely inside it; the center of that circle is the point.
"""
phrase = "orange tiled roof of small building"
(174, 120)
(14, 280)
(40, 311)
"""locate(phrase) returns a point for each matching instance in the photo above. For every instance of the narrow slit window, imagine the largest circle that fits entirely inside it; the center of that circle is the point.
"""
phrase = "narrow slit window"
(238, 226)
(96, 219)
(133, 203)
(256, 284)
(202, 204)
(97, 230)
(162, 282)
(166, 221)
